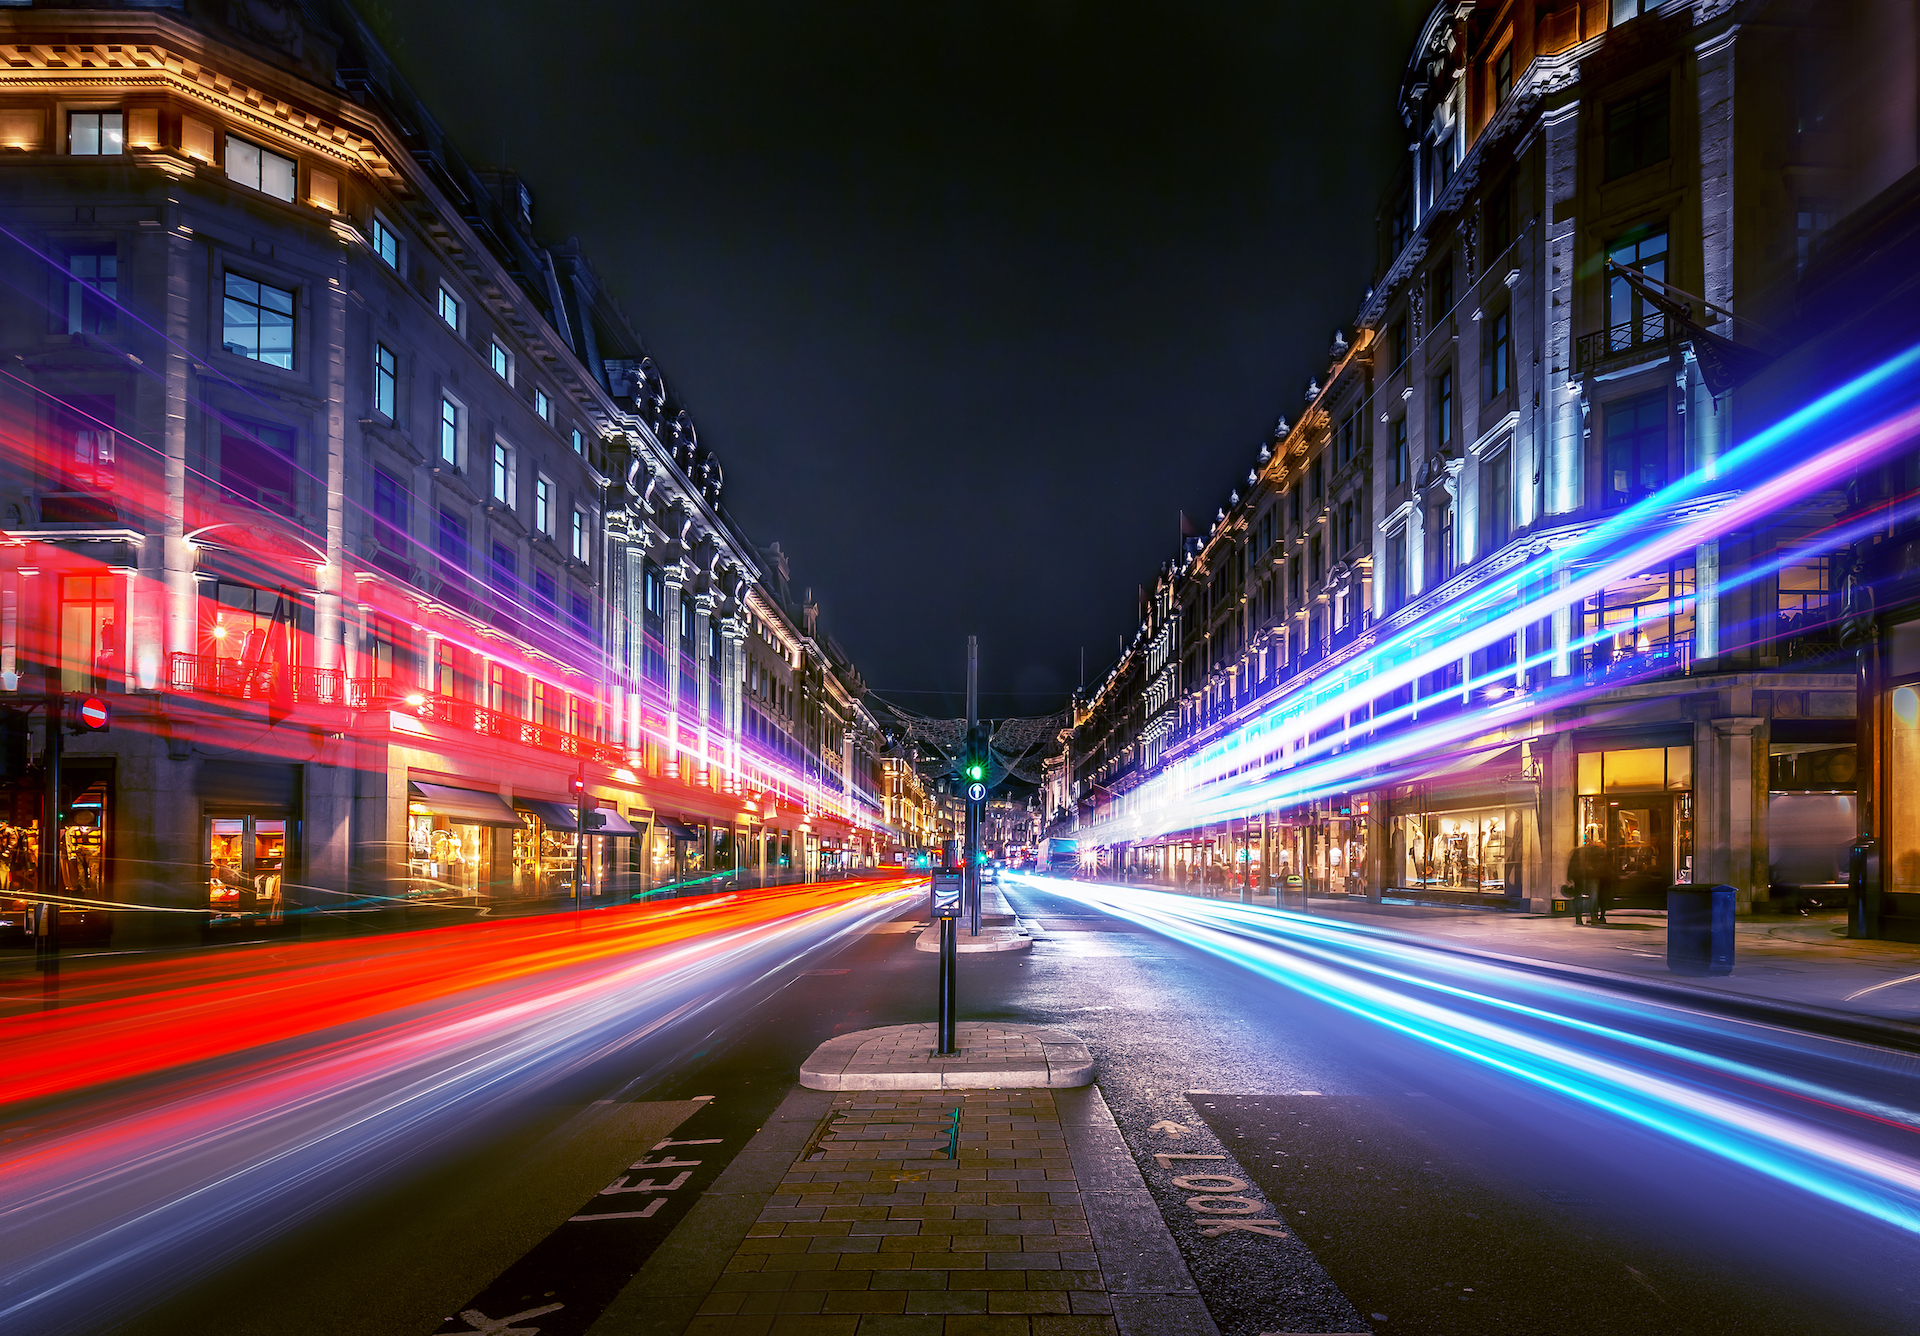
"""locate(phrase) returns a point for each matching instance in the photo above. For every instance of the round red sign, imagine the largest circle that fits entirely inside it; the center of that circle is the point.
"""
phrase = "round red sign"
(93, 712)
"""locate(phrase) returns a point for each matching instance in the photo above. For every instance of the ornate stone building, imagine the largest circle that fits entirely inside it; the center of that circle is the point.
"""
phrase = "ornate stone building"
(364, 509)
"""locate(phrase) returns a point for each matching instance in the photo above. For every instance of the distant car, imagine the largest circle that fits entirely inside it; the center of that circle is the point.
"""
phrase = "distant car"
(989, 872)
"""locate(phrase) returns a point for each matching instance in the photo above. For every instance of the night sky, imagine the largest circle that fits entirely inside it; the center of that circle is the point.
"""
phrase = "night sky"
(970, 300)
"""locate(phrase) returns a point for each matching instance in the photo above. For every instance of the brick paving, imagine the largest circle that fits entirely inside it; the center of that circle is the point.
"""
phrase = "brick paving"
(876, 1231)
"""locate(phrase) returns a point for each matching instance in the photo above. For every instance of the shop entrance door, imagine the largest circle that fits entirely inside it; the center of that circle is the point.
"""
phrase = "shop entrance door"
(1640, 849)
(246, 859)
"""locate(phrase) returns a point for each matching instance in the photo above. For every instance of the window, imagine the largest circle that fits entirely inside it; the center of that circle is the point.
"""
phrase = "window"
(385, 244)
(92, 134)
(686, 624)
(1442, 290)
(1317, 474)
(1346, 526)
(579, 547)
(1397, 462)
(1630, 9)
(543, 504)
(1448, 545)
(1402, 348)
(1349, 433)
(452, 419)
(1316, 566)
(545, 596)
(451, 540)
(1293, 504)
(1443, 409)
(1497, 330)
(579, 444)
(82, 431)
(655, 593)
(580, 614)
(1630, 320)
(1637, 131)
(501, 361)
(386, 379)
(1397, 569)
(257, 321)
(1503, 76)
(393, 511)
(1811, 220)
(446, 671)
(501, 698)
(1636, 449)
(259, 464)
(91, 286)
(87, 636)
(503, 567)
(449, 309)
(505, 474)
(264, 170)
(255, 625)
(1497, 492)
(542, 406)
(382, 646)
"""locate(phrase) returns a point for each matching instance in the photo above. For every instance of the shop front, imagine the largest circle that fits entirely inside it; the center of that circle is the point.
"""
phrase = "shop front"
(1813, 811)
(460, 844)
(1635, 833)
(86, 824)
(250, 844)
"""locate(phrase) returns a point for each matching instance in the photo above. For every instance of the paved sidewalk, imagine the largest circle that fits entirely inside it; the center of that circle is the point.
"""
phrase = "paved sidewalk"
(1013, 1212)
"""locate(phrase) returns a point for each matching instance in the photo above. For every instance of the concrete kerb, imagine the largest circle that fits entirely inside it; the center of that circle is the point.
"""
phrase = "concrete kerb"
(991, 1056)
(990, 939)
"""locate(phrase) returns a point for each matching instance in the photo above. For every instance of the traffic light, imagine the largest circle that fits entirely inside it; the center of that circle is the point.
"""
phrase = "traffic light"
(15, 750)
(977, 763)
(86, 714)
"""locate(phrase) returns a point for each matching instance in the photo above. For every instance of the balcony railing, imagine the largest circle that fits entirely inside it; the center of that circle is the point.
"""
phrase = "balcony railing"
(209, 675)
(243, 680)
(1630, 338)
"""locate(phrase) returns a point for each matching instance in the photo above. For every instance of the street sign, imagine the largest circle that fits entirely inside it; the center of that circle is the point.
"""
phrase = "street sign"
(976, 793)
(946, 895)
(93, 713)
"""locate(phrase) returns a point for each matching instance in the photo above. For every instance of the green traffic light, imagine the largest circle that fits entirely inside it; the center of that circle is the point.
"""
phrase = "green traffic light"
(976, 771)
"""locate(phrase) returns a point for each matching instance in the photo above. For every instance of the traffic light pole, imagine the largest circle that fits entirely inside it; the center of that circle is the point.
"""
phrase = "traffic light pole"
(973, 806)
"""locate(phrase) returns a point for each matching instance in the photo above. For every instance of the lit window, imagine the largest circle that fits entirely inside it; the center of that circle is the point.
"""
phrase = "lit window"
(449, 432)
(258, 321)
(542, 405)
(385, 244)
(1503, 76)
(503, 472)
(579, 535)
(449, 309)
(93, 133)
(543, 505)
(1499, 355)
(501, 361)
(264, 170)
(579, 444)
(1443, 409)
(385, 380)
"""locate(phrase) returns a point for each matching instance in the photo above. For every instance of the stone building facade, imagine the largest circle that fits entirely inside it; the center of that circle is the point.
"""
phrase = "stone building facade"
(1593, 246)
(365, 510)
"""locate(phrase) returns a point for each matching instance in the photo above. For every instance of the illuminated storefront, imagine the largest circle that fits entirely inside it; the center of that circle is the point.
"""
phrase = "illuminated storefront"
(459, 843)
(1636, 804)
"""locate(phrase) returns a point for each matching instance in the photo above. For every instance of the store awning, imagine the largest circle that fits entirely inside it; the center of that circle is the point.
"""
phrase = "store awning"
(465, 805)
(679, 830)
(554, 816)
(611, 823)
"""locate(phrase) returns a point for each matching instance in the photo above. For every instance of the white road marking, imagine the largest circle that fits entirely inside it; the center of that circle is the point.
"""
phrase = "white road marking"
(666, 1162)
(1201, 1182)
(652, 1206)
(1166, 1160)
(1171, 1129)
(1218, 1205)
(709, 1141)
(619, 1185)
(497, 1326)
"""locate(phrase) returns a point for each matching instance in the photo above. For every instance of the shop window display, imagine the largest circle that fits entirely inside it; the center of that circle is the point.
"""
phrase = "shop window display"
(446, 858)
(1467, 850)
(1636, 822)
(246, 859)
(1902, 861)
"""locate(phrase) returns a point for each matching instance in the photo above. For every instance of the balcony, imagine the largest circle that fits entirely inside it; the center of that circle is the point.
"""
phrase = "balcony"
(284, 686)
(1638, 340)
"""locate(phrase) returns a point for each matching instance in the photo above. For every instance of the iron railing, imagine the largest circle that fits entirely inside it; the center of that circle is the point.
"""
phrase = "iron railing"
(1649, 330)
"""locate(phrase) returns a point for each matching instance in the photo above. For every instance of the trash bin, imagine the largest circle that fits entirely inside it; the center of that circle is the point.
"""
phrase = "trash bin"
(1700, 929)
(1863, 888)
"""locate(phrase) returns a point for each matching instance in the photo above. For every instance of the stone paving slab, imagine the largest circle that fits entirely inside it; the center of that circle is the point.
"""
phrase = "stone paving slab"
(992, 1055)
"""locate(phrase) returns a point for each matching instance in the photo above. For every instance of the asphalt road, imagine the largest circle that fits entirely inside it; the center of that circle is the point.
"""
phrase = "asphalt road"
(1422, 1192)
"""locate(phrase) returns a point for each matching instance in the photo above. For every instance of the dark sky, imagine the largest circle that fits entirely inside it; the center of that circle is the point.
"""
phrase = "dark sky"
(970, 299)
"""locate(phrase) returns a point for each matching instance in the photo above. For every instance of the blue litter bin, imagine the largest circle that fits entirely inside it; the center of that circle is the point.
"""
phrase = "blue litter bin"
(1700, 929)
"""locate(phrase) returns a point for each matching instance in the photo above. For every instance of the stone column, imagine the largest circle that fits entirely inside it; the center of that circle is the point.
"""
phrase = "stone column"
(733, 636)
(674, 578)
(1738, 854)
(702, 620)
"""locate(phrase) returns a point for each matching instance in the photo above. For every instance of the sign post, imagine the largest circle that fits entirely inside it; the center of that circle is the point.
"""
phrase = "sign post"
(948, 889)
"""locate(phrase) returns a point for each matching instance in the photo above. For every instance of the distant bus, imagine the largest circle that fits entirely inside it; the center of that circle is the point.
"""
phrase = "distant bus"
(1060, 857)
